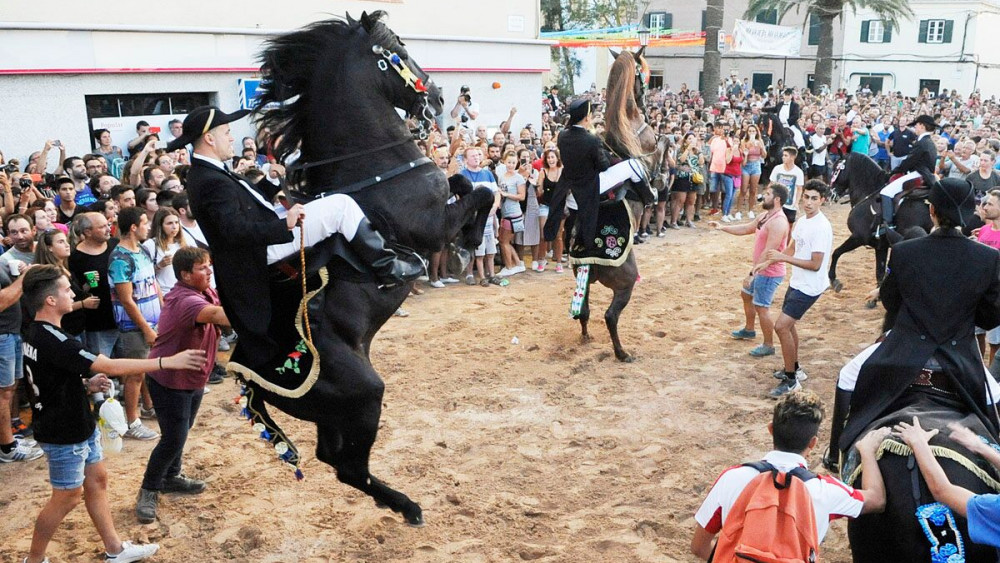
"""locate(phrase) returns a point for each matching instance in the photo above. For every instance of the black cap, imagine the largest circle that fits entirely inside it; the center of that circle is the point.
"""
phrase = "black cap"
(955, 199)
(464, 89)
(927, 120)
(578, 110)
(200, 120)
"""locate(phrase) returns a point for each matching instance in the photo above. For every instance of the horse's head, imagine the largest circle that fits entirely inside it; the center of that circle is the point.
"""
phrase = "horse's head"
(641, 81)
(839, 183)
(402, 80)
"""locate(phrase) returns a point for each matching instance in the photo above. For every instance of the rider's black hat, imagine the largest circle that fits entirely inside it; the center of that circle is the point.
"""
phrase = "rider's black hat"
(927, 120)
(200, 120)
(578, 110)
(955, 199)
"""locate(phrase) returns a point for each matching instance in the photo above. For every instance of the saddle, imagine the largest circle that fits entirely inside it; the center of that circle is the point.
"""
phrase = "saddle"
(916, 183)
(913, 194)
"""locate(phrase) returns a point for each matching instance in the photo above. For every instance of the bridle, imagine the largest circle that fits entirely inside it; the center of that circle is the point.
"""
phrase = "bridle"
(421, 111)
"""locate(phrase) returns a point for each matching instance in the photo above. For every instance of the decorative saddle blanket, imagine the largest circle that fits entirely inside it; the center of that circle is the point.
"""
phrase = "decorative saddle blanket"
(613, 239)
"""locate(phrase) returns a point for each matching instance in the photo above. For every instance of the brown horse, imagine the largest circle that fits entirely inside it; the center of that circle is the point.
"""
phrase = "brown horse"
(627, 135)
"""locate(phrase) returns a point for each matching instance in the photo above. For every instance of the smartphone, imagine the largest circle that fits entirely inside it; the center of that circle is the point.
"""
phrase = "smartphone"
(160, 144)
(57, 143)
(154, 129)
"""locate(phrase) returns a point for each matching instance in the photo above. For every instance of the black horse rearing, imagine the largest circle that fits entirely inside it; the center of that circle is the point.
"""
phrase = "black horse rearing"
(330, 92)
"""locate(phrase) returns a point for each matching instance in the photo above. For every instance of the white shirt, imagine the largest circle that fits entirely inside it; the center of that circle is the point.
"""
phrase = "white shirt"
(831, 498)
(791, 179)
(783, 114)
(812, 235)
(818, 141)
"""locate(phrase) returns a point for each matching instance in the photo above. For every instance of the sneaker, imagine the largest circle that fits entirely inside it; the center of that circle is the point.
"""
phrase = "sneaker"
(147, 414)
(437, 284)
(139, 432)
(738, 216)
(762, 350)
(697, 217)
(713, 211)
(661, 234)
(726, 219)
(744, 334)
(224, 345)
(800, 374)
(216, 377)
(145, 506)
(449, 280)
(27, 442)
(20, 452)
(17, 426)
(548, 253)
(46, 560)
(534, 265)
(401, 312)
(750, 215)
(424, 278)
(519, 268)
(785, 387)
(559, 268)
(690, 225)
(675, 226)
(131, 552)
(183, 485)
(541, 266)
(504, 272)
(470, 280)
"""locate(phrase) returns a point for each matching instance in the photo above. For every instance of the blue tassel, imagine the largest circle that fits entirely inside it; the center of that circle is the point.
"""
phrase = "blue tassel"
(287, 455)
(266, 435)
(245, 413)
(298, 475)
(395, 59)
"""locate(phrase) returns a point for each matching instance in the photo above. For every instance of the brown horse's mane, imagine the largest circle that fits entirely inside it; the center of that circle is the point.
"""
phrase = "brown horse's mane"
(621, 108)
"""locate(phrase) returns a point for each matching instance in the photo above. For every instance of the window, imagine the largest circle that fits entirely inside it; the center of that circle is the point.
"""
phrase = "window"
(704, 20)
(936, 31)
(768, 16)
(127, 105)
(659, 21)
(876, 31)
(814, 30)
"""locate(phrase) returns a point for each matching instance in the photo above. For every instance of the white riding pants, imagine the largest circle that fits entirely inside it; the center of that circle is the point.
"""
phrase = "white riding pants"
(896, 186)
(849, 373)
(325, 217)
(625, 170)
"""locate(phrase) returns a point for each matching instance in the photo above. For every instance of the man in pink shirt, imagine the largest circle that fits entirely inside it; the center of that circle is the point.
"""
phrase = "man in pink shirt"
(189, 319)
(770, 233)
(989, 234)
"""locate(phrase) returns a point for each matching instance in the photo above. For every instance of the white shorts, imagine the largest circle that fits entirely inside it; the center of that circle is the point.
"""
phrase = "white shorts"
(488, 246)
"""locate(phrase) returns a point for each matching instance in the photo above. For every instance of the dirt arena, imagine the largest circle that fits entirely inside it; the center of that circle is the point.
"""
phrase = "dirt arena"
(544, 450)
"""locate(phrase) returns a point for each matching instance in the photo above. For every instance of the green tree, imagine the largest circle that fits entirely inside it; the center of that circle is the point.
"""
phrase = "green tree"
(711, 69)
(558, 15)
(889, 11)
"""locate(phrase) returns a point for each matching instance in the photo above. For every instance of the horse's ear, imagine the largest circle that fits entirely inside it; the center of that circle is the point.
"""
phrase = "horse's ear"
(350, 21)
(614, 53)
(638, 54)
(367, 22)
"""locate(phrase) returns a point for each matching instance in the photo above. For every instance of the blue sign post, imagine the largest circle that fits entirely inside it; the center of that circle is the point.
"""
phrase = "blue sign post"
(248, 92)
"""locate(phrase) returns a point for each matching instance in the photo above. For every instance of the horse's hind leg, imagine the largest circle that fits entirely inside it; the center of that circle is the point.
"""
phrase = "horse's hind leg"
(345, 437)
(618, 303)
(584, 317)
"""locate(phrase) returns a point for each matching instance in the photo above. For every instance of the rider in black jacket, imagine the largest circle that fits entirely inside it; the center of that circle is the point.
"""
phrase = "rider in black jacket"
(919, 163)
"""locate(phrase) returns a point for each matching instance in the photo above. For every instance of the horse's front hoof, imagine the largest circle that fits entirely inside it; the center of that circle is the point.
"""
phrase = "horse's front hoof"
(871, 304)
(585, 338)
(414, 517)
(625, 357)
(837, 286)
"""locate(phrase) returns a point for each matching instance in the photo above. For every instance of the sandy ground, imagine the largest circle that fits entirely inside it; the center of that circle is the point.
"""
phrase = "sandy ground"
(545, 450)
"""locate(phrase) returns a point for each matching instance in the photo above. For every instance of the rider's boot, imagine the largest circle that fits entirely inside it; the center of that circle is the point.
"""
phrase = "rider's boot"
(841, 406)
(390, 268)
(888, 215)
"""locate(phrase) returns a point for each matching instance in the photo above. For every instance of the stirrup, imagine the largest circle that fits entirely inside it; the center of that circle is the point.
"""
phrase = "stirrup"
(830, 463)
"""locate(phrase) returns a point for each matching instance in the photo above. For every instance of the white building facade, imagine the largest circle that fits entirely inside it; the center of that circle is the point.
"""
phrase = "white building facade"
(82, 69)
(947, 44)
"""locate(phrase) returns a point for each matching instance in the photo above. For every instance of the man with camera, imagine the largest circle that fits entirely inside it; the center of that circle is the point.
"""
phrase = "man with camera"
(465, 110)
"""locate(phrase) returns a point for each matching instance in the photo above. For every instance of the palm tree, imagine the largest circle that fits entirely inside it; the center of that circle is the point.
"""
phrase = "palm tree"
(889, 11)
(712, 63)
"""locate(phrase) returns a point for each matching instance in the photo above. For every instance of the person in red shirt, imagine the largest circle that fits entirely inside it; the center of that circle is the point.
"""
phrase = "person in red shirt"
(189, 319)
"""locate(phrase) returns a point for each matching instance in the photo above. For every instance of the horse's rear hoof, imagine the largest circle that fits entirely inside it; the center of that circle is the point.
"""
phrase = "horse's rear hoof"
(625, 357)
(837, 286)
(415, 517)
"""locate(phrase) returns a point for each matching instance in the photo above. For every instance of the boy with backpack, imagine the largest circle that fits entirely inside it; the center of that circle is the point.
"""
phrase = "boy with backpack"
(776, 508)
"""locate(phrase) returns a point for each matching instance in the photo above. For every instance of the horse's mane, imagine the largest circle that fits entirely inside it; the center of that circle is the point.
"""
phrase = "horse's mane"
(621, 107)
(864, 173)
(288, 71)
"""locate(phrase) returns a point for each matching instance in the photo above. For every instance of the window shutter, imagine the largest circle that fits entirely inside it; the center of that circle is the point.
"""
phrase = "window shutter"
(865, 25)
(703, 21)
(886, 31)
(645, 20)
(668, 21)
(949, 26)
(922, 38)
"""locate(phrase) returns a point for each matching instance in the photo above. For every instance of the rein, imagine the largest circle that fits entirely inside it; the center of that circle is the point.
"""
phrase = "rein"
(299, 196)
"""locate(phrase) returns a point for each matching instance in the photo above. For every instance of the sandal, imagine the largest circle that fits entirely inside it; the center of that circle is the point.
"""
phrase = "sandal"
(494, 280)
(485, 282)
